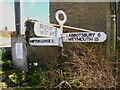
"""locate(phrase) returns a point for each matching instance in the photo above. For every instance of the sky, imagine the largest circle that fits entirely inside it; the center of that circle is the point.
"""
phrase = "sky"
(34, 9)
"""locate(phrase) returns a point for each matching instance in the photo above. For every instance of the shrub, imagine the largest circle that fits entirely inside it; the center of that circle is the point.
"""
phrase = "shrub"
(86, 68)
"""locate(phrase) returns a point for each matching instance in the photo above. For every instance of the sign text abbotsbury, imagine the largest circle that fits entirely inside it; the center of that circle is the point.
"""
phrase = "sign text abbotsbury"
(84, 37)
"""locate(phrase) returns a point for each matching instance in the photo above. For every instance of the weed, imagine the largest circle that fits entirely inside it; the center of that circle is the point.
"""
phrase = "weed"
(86, 68)
(14, 78)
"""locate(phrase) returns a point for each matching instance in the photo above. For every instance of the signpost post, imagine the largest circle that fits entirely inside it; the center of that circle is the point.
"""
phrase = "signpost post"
(18, 42)
(17, 17)
(61, 22)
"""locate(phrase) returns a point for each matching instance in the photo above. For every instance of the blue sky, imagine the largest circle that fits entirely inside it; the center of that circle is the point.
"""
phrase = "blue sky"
(35, 9)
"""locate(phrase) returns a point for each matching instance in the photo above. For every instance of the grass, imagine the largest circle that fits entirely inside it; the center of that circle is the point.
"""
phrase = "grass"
(86, 68)
(1, 72)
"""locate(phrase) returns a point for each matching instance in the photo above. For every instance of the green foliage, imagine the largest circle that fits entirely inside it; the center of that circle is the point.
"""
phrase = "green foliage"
(85, 68)
(5, 54)
(36, 74)
(14, 78)
(7, 65)
(1, 72)
(60, 79)
(0, 53)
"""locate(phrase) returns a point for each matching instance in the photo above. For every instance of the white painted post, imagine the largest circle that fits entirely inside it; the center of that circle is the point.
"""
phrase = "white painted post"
(61, 22)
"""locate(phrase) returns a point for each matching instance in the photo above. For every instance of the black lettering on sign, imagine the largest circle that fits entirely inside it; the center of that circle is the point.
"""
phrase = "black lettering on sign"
(41, 41)
(99, 35)
(77, 39)
(87, 39)
(31, 41)
(96, 39)
(56, 32)
(90, 39)
(44, 32)
(91, 34)
(70, 39)
(34, 41)
(52, 41)
(73, 35)
(48, 41)
(45, 41)
(84, 35)
(41, 25)
(44, 26)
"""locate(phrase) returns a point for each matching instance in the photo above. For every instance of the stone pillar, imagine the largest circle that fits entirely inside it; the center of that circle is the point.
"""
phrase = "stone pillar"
(45, 55)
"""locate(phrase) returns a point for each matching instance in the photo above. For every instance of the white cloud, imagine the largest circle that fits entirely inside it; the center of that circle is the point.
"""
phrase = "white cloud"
(32, 3)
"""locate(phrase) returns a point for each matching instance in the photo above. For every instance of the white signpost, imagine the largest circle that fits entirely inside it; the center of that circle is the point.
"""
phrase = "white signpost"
(45, 30)
(61, 22)
(56, 37)
(84, 37)
(44, 41)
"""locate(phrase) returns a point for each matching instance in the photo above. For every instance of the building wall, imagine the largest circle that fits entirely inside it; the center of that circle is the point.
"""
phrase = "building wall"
(5, 38)
(95, 16)
(84, 15)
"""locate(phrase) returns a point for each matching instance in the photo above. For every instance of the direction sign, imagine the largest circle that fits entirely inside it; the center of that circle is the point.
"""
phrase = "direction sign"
(45, 30)
(84, 37)
(44, 41)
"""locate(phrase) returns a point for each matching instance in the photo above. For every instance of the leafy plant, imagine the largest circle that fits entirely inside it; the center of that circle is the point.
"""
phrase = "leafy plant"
(14, 78)
(0, 53)
(7, 65)
(36, 75)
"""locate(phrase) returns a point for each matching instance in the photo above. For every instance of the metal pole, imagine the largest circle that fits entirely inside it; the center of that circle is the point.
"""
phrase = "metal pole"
(116, 12)
(17, 17)
(60, 49)
(116, 21)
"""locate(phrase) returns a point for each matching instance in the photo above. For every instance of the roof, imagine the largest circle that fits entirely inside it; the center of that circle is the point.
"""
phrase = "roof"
(6, 33)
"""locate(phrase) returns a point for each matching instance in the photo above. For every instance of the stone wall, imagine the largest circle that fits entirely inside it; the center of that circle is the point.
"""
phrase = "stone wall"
(95, 16)
(84, 15)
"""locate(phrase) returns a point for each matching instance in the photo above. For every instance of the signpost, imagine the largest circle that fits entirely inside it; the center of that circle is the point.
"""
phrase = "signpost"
(52, 36)
(61, 22)
(45, 30)
(56, 37)
(44, 41)
(84, 37)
